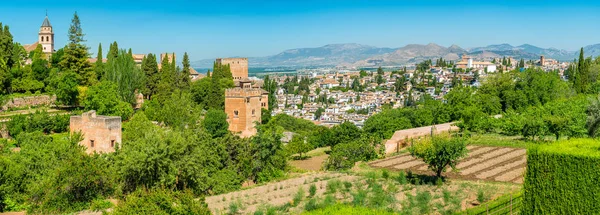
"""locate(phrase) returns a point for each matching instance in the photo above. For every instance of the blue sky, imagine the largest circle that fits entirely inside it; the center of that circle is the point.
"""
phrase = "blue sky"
(210, 29)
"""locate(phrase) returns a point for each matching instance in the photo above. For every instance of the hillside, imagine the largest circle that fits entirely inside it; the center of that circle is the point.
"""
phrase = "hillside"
(358, 55)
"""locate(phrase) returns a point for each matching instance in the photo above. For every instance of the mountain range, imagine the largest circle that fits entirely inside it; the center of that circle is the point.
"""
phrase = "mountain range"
(358, 55)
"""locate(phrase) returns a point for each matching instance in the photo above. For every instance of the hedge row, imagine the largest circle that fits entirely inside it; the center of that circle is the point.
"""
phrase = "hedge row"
(563, 178)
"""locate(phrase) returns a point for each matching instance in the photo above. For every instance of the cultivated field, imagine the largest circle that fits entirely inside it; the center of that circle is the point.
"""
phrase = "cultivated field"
(275, 194)
(482, 163)
(397, 195)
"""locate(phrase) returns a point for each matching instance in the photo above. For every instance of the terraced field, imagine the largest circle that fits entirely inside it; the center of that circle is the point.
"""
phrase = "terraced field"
(277, 193)
(482, 163)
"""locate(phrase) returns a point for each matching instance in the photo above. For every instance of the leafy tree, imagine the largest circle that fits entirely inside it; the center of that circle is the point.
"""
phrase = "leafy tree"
(363, 73)
(161, 201)
(126, 75)
(105, 99)
(269, 159)
(344, 155)
(343, 133)
(66, 88)
(177, 111)
(299, 145)
(215, 123)
(319, 113)
(76, 55)
(201, 91)
(440, 153)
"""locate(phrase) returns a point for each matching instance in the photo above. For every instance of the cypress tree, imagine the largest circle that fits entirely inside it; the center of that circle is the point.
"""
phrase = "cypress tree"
(152, 76)
(185, 72)
(76, 54)
(99, 64)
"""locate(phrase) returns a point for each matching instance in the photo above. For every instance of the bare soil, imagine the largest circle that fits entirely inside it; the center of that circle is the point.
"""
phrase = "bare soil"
(504, 164)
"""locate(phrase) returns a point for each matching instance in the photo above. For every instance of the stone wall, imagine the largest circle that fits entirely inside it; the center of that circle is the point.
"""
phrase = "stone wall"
(21, 102)
(100, 133)
(400, 138)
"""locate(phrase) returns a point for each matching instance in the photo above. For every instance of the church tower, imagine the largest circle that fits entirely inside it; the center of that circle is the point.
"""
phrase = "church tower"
(46, 37)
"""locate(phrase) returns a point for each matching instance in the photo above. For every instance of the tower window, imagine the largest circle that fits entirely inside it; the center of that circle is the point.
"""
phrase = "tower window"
(253, 112)
(235, 114)
(112, 143)
(42, 39)
(47, 39)
(92, 143)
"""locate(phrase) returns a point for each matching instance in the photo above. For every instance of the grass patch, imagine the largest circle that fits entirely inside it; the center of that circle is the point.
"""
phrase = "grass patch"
(348, 210)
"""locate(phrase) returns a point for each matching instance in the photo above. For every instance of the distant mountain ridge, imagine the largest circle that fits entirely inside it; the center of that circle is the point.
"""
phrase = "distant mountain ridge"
(358, 55)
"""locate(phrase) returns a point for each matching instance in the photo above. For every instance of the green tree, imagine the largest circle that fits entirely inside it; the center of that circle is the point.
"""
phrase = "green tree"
(152, 76)
(345, 155)
(269, 159)
(184, 76)
(99, 66)
(440, 153)
(66, 88)
(76, 55)
(126, 75)
(299, 145)
(215, 123)
(106, 100)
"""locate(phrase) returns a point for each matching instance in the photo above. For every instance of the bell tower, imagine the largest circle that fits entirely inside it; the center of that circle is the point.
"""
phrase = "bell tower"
(46, 37)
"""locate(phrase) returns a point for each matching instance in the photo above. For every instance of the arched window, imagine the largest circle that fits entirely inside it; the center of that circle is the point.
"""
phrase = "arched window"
(47, 39)
(42, 39)
(235, 114)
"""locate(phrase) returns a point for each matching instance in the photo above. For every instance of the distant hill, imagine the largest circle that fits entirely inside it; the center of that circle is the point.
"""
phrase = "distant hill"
(328, 55)
(358, 55)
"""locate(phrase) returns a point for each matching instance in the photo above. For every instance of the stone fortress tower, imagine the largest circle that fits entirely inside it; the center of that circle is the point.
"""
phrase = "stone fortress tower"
(243, 103)
(239, 67)
(46, 37)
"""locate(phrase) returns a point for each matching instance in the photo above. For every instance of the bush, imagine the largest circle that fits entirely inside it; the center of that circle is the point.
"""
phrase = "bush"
(562, 178)
(161, 201)
(299, 196)
(312, 190)
(348, 210)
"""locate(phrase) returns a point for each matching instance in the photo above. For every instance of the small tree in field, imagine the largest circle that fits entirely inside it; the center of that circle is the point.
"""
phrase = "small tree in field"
(440, 152)
(299, 145)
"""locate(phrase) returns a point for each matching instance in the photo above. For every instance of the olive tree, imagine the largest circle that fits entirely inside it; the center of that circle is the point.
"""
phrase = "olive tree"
(440, 152)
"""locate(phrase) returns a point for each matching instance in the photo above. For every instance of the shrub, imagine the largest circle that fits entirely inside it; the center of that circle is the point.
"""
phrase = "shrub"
(161, 201)
(562, 178)
(333, 186)
(312, 190)
(299, 196)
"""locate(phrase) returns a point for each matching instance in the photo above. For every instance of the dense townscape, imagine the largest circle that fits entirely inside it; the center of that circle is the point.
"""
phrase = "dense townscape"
(128, 133)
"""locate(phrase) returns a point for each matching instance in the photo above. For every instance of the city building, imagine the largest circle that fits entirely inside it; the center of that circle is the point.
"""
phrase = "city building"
(101, 134)
(238, 67)
(468, 63)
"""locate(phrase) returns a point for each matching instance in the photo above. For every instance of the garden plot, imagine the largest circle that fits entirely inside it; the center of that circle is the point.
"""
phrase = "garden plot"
(277, 193)
(482, 163)
(374, 189)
